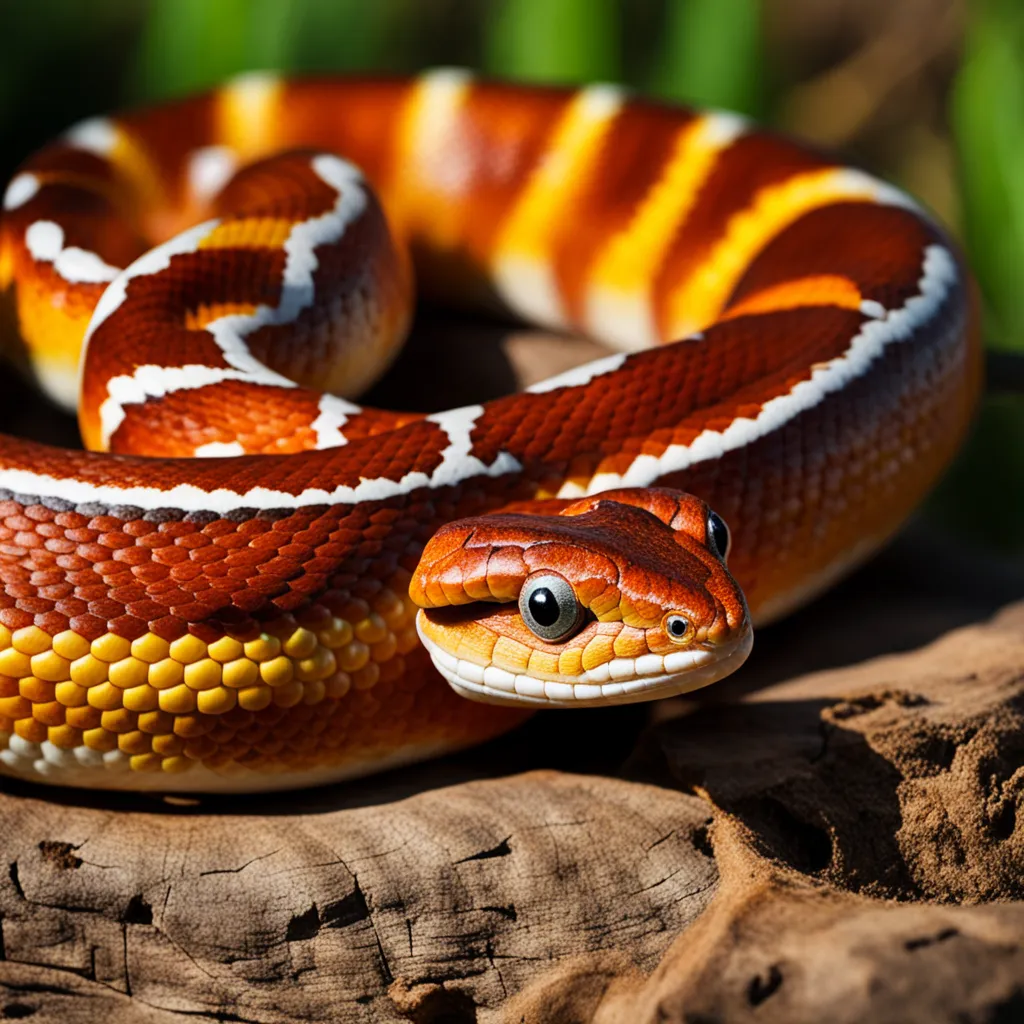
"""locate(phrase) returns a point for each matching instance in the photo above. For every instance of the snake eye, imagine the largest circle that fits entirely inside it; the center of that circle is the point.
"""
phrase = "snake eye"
(677, 628)
(549, 607)
(718, 535)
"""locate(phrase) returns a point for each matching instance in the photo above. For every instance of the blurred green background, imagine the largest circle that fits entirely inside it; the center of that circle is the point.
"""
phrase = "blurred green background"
(929, 93)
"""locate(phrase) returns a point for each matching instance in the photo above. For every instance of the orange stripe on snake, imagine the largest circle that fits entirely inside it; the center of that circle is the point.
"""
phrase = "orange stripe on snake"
(797, 349)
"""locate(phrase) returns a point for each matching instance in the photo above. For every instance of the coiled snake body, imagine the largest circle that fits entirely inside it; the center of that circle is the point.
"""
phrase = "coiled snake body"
(248, 620)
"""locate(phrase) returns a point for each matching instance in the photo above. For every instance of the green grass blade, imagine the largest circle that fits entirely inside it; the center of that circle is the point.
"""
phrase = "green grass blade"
(554, 40)
(193, 44)
(344, 35)
(988, 122)
(711, 54)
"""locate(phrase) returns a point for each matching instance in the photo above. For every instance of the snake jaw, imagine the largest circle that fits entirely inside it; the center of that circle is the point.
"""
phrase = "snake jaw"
(619, 681)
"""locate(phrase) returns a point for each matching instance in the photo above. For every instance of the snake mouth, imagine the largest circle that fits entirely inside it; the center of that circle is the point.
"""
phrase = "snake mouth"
(619, 681)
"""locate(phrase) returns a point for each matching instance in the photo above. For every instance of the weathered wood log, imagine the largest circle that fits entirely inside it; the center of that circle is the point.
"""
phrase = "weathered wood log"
(313, 915)
(776, 947)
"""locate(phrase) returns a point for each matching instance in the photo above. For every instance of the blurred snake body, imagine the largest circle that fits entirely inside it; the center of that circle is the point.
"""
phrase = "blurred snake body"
(248, 620)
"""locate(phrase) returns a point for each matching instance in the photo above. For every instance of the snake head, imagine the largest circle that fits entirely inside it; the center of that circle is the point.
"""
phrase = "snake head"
(620, 597)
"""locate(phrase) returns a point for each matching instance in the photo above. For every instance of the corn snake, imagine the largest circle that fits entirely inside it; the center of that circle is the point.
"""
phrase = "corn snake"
(245, 621)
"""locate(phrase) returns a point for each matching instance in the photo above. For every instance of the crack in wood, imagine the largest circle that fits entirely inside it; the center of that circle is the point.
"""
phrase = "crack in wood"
(386, 971)
(12, 872)
(503, 849)
(657, 842)
(240, 869)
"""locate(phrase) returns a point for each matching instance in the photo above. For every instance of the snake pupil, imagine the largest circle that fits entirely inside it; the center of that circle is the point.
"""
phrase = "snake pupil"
(678, 627)
(544, 607)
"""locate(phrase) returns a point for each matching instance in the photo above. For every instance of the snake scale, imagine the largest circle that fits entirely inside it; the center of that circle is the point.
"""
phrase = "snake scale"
(248, 581)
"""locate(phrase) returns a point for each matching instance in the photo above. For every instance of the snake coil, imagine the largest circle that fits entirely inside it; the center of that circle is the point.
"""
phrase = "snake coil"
(244, 620)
